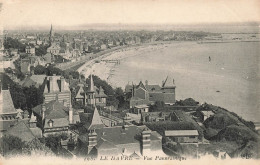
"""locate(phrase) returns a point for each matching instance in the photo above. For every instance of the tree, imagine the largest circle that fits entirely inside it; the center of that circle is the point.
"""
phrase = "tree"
(158, 106)
(53, 142)
(39, 69)
(14, 43)
(36, 147)
(10, 143)
(41, 50)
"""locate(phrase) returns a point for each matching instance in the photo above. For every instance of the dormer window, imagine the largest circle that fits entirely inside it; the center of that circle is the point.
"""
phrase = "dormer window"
(50, 123)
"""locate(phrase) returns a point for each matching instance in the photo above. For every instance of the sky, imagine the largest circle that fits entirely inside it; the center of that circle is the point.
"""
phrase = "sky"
(41, 13)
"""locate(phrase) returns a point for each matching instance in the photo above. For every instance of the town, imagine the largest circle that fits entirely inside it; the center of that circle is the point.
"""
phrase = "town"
(48, 107)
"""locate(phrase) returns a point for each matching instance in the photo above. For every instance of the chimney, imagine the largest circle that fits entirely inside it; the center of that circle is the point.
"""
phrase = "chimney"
(43, 114)
(62, 81)
(51, 84)
(70, 115)
(146, 141)
(92, 140)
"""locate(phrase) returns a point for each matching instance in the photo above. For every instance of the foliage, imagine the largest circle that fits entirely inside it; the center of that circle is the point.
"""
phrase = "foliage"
(158, 106)
(53, 142)
(161, 126)
(39, 70)
(51, 70)
(187, 102)
(219, 121)
(23, 97)
(41, 50)
(10, 143)
(238, 134)
(14, 43)
(229, 115)
(36, 147)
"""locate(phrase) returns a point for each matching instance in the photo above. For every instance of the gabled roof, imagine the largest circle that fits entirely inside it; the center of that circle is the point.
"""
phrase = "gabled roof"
(22, 131)
(36, 80)
(101, 93)
(6, 103)
(96, 121)
(59, 108)
(80, 93)
(91, 85)
(153, 88)
(104, 144)
(118, 135)
(169, 82)
(141, 85)
(33, 118)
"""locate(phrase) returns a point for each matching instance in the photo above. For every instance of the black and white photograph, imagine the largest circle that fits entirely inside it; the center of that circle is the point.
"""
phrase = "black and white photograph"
(129, 82)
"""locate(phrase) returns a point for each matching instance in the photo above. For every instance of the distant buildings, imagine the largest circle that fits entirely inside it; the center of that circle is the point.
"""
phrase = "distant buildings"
(54, 49)
(33, 80)
(30, 50)
(158, 116)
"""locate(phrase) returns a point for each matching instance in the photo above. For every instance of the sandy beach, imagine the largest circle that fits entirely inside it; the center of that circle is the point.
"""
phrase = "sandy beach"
(105, 70)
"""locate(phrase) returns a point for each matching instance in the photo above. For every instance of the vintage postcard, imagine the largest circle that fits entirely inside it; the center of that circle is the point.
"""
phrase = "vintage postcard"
(119, 81)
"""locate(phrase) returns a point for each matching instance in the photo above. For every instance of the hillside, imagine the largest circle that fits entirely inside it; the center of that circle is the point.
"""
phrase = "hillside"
(228, 128)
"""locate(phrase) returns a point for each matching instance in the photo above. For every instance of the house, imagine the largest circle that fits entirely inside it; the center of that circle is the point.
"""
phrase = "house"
(138, 109)
(7, 111)
(158, 116)
(92, 95)
(53, 117)
(103, 46)
(33, 80)
(25, 131)
(54, 49)
(25, 66)
(148, 94)
(56, 86)
(123, 140)
(30, 50)
(49, 58)
(183, 136)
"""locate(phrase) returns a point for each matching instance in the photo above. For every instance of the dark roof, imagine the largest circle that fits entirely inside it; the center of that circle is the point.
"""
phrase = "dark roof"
(104, 144)
(118, 135)
(59, 110)
(22, 131)
(153, 88)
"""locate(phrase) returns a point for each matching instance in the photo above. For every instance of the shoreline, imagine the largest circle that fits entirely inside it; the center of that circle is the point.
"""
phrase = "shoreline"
(104, 70)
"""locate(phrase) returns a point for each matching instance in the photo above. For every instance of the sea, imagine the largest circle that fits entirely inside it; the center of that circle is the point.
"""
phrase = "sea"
(222, 74)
